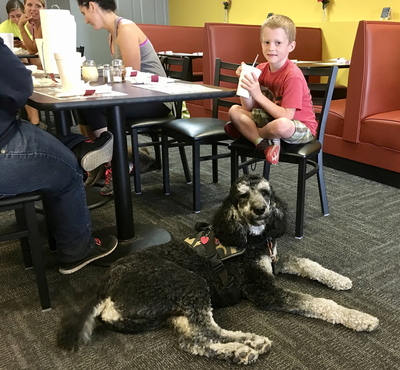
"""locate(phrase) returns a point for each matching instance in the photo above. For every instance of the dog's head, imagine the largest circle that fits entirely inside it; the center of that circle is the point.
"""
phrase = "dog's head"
(252, 208)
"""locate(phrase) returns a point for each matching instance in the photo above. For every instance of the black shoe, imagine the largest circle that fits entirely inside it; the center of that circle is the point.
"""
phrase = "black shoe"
(93, 153)
(103, 247)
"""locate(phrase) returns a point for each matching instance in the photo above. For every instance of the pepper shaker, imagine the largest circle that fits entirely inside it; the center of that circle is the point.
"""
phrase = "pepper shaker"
(106, 74)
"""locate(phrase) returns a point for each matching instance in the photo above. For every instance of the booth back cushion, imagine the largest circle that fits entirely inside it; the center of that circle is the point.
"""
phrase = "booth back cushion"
(179, 39)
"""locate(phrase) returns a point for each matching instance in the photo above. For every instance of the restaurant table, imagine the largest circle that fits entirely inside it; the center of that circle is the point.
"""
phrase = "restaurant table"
(28, 56)
(131, 236)
(322, 63)
(191, 77)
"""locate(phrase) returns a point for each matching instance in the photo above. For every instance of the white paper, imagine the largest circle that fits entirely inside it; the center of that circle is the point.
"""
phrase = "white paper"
(59, 36)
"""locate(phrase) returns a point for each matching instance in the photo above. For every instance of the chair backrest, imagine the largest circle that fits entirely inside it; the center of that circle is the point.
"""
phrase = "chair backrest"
(182, 67)
(179, 39)
(224, 76)
(322, 98)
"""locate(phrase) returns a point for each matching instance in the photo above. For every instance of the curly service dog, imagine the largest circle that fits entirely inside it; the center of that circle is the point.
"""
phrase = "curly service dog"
(180, 282)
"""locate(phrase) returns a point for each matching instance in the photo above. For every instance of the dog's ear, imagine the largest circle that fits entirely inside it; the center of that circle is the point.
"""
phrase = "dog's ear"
(227, 226)
(276, 224)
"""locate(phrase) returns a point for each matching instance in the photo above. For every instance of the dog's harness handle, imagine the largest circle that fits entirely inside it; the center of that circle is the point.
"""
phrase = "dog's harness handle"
(208, 241)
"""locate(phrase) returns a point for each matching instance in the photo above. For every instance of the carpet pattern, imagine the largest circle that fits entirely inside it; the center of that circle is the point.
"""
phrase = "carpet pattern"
(358, 239)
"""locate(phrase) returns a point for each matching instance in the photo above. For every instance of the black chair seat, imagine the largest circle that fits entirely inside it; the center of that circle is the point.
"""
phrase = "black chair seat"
(306, 151)
(206, 130)
(146, 123)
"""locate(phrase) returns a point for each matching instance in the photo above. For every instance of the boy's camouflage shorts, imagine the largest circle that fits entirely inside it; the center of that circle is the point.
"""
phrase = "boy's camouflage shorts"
(301, 135)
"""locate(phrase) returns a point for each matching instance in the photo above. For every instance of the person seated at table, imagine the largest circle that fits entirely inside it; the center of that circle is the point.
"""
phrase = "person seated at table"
(129, 43)
(14, 10)
(32, 159)
(31, 29)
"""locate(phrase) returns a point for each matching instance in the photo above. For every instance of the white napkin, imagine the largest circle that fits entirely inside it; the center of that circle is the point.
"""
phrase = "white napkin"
(86, 90)
(138, 77)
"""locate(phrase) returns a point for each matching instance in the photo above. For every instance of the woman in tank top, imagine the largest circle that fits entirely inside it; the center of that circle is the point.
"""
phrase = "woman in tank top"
(129, 43)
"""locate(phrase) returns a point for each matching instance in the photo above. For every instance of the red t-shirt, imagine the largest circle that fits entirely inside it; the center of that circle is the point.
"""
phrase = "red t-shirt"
(290, 91)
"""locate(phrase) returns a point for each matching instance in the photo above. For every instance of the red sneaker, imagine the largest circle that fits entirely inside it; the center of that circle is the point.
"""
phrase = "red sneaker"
(232, 131)
(272, 153)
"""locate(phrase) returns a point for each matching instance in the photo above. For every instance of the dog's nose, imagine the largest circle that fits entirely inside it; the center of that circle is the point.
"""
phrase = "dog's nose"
(259, 210)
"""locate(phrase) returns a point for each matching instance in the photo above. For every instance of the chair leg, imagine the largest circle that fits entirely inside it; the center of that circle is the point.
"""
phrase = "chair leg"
(185, 164)
(26, 252)
(136, 162)
(37, 258)
(214, 152)
(301, 194)
(165, 164)
(321, 186)
(267, 168)
(234, 165)
(157, 151)
(196, 176)
(244, 168)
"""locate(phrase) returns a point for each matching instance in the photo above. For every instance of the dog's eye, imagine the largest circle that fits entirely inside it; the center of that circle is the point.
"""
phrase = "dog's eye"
(264, 192)
(243, 195)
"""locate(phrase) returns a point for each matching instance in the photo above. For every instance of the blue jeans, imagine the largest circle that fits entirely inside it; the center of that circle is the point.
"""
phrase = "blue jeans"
(35, 160)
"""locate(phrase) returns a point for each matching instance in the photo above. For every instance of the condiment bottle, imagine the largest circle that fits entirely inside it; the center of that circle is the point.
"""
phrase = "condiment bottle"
(106, 74)
(89, 71)
(117, 71)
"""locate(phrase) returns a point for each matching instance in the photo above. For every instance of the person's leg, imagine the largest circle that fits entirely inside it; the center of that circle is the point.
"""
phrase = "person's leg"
(90, 153)
(243, 122)
(33, 117)
(97, 120)
(35, 160)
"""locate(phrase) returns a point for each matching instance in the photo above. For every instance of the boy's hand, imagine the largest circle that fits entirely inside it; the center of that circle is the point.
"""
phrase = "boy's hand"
(239, 70)
(251, 84)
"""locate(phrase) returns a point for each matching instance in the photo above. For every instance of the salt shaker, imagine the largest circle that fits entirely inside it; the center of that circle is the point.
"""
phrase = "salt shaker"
(106, 74)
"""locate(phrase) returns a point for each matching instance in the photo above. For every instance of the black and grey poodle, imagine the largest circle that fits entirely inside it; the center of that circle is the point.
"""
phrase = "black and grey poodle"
(173, 284)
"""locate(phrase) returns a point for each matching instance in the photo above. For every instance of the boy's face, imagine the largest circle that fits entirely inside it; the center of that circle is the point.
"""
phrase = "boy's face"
(276, 47)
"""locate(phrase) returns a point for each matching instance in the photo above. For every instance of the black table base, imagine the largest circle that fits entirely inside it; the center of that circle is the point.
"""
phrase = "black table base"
(145, 236)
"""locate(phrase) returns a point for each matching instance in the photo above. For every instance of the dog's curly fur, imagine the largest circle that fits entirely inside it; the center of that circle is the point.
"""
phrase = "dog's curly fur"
(172, 284)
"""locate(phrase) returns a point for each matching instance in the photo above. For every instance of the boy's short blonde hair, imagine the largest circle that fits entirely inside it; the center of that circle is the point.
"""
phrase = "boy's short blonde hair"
(280, 21)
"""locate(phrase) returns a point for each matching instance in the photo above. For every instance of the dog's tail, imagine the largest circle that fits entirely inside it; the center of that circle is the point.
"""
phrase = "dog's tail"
(76, 327)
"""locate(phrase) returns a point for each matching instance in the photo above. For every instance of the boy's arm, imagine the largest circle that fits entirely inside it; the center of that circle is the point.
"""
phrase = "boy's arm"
(256, 96)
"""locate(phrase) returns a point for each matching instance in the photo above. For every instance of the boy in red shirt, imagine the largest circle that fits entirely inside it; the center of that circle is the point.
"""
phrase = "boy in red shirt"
(291, 109)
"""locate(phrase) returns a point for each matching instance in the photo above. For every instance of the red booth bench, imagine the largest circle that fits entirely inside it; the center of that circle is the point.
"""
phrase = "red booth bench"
(365, 127)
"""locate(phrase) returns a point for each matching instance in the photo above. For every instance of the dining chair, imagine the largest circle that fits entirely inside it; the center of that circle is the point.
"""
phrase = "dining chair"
(151, 127)
(176, 67)
(199, 131)
(301, 154)
(24, 207)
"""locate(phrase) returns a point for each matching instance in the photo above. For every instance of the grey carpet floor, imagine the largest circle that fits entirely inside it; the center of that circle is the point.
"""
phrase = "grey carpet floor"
(360, 239)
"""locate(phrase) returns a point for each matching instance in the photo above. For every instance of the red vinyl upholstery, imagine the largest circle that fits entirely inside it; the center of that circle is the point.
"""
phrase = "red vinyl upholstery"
(365, 126)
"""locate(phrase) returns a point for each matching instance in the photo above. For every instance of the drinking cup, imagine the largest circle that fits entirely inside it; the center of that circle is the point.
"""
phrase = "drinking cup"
(246, 70)
(8, 39)
(69, 68)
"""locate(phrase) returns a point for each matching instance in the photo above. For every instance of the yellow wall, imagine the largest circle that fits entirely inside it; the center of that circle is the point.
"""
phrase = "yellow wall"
(338, 31)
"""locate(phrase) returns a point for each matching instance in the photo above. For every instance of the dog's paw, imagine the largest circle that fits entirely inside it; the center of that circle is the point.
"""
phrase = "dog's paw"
(259, 343)
(238, 353)
(366, 323)
(339, 282)
(359, 321)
